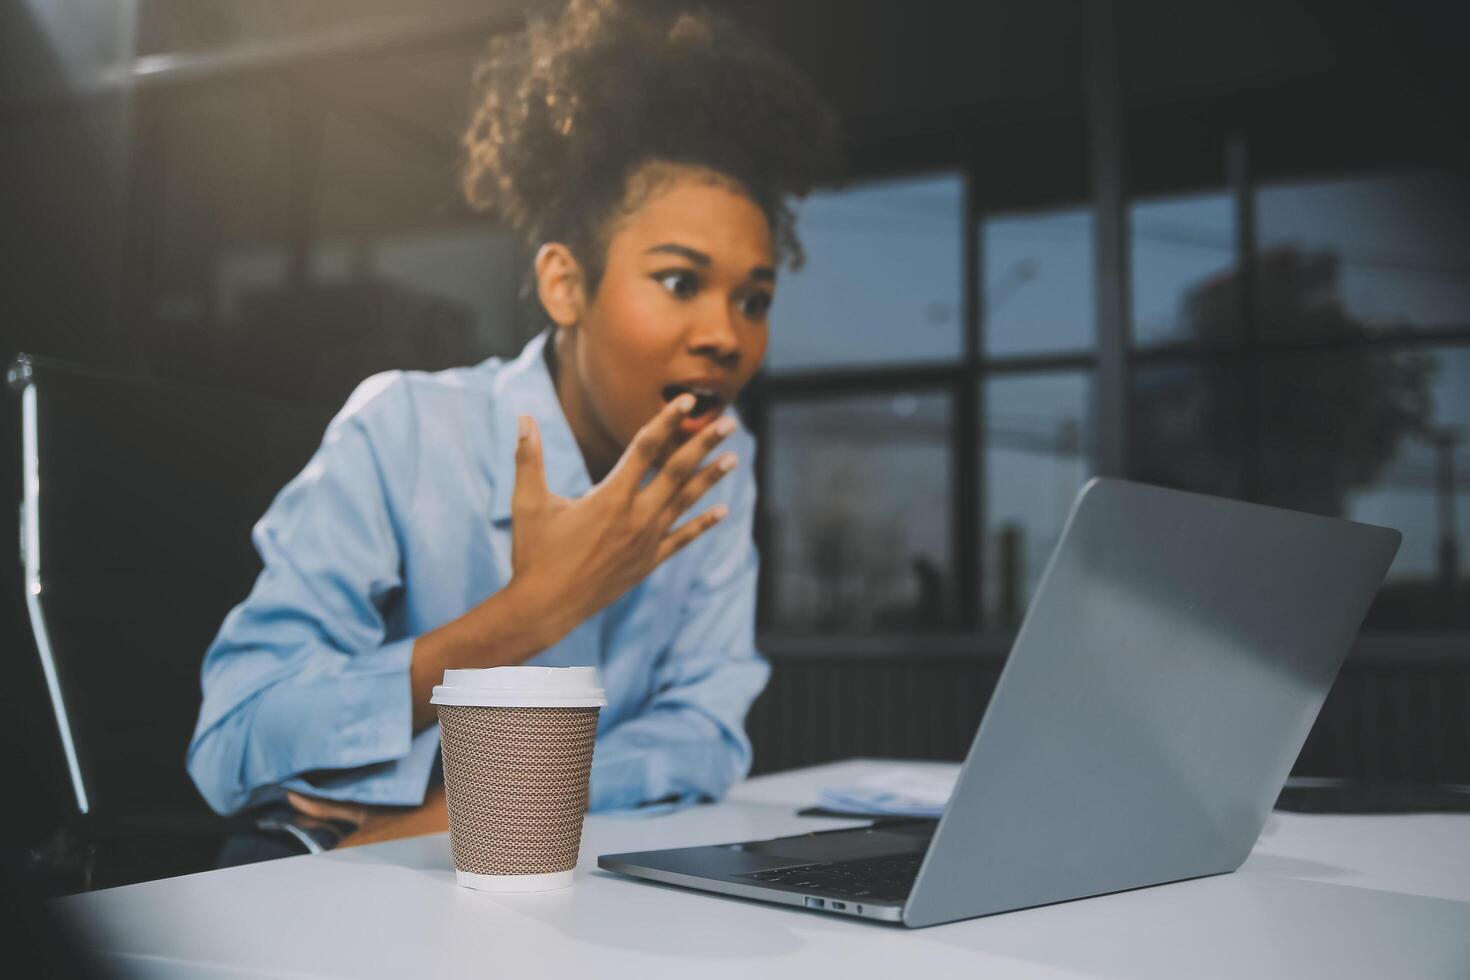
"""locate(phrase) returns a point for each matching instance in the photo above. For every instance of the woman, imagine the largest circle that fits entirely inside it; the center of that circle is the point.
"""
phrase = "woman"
(589, 502)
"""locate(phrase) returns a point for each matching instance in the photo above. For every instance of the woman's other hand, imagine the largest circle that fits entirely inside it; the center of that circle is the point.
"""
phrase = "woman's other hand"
(378, 823)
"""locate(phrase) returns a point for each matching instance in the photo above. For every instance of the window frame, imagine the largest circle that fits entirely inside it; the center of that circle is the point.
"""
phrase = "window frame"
(965, 377)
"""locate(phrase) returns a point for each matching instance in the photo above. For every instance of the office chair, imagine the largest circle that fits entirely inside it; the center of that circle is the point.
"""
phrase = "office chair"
(139, 497)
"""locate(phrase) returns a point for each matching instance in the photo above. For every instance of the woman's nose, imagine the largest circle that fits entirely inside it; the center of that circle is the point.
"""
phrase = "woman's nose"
(717, 336)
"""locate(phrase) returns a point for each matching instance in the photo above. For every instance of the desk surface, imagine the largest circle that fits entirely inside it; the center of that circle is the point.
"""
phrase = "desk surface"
(1320, 896)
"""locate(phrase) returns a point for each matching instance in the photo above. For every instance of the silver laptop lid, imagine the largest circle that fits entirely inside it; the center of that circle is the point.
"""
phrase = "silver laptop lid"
(1166, 675)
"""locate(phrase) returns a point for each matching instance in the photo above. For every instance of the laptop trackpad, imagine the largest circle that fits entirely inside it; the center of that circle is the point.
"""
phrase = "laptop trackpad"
(848, 845)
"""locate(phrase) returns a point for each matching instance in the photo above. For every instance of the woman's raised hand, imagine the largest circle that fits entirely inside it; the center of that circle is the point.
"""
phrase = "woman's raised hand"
(578, 555)
(570, 558)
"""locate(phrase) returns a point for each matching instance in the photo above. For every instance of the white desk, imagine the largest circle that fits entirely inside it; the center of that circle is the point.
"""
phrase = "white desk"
(1321, 896)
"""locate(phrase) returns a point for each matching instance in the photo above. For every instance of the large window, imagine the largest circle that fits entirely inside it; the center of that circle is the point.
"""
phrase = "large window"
(923, 452)
(1332, 379)
(858, 479)
(881, 513)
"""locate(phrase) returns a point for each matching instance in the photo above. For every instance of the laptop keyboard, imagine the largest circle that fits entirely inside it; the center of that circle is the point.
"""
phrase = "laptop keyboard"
(884, 879)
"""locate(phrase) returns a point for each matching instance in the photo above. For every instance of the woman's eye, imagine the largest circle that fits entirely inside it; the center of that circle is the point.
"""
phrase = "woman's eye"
(756, 305)
(680, 283)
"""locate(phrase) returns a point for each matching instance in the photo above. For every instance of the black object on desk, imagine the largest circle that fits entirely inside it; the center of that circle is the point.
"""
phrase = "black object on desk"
(877, 818)
(1310, 794)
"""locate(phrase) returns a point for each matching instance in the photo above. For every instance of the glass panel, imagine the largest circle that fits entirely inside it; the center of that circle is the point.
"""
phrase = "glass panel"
(1379, 252)
(1037, 443)
(1038, 282)
(858, 498)
(478, 270)
(1183, 262)
(1381, 437)
(882, 282)
(1187, 425)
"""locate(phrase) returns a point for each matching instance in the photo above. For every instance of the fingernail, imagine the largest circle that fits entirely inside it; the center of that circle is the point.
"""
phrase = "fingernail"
(684, 403)
(728, 462)
(523, 425)
(725, 426)
(718, 512)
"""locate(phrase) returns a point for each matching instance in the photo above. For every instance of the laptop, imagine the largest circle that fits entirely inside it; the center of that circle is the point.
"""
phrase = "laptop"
(1168, 670)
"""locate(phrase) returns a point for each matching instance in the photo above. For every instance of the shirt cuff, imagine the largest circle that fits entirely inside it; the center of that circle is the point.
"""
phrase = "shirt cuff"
(626, 777)
(617, 784)
(401, 782)
(358, 717)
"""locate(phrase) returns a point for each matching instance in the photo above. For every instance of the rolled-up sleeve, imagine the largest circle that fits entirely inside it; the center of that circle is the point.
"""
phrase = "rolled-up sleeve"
(689, 742)
(302, 686)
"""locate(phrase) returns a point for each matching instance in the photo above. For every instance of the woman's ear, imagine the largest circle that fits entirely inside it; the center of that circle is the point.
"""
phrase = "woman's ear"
(559, 284)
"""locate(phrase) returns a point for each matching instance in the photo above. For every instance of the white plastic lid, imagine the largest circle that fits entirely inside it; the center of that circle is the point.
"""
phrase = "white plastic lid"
(522, 687)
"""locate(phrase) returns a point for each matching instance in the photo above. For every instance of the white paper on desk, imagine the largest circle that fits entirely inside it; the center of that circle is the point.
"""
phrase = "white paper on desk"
(897, 791)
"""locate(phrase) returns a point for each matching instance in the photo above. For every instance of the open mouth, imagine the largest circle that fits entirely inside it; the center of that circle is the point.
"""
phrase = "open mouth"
(706, 400)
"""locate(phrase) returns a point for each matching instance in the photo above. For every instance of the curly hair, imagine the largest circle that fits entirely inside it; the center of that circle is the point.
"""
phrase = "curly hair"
(570, 112)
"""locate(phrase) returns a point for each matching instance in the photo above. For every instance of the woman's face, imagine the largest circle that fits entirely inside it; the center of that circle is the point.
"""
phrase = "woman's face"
(681, 306)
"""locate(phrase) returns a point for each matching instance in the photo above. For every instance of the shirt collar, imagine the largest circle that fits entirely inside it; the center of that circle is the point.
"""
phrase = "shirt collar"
(524, 387)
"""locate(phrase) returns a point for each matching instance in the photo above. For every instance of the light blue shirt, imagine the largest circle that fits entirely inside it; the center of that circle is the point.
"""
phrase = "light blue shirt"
(401, 523)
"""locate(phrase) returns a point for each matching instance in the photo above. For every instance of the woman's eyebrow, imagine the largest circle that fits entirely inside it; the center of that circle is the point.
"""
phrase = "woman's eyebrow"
(692, 254)
(760, 273)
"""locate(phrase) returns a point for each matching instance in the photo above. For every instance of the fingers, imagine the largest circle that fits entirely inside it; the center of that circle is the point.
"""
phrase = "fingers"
(530, 486)
(690, 530)
(696, 487)
(327, 809)
(652, 444)
(680, 469)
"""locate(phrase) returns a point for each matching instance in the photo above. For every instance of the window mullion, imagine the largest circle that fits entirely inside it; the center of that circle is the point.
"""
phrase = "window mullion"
(969, 424)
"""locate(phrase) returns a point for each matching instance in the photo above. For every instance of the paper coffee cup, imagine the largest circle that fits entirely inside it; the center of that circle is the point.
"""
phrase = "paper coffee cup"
(517, 748)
